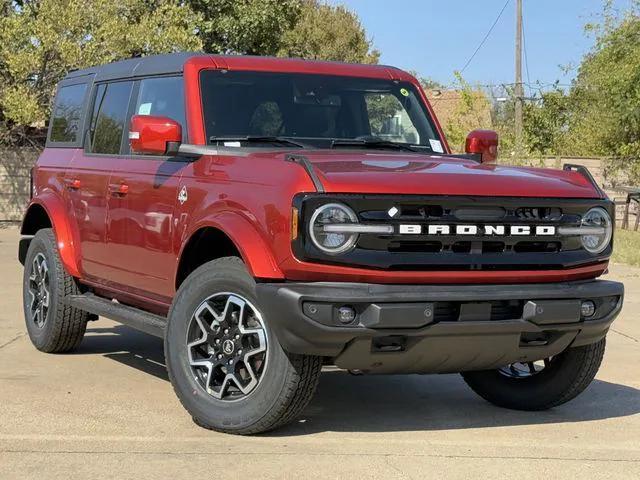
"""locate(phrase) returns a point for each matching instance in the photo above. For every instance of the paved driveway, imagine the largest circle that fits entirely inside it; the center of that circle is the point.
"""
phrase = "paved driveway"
(108, 411)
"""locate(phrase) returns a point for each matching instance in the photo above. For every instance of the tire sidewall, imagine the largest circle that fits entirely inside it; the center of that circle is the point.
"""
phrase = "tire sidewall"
(41, 243)
(238, 414)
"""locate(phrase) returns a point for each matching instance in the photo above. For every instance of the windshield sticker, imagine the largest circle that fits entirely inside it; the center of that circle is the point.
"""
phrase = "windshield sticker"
(436, 146)
(232, 144)
(404, 92)
(144, 109)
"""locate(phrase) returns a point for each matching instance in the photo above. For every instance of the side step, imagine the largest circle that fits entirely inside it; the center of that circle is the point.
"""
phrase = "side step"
(130, 316)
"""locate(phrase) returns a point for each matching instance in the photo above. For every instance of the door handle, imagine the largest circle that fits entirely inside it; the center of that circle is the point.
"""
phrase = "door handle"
(72, 183)
(119, 189)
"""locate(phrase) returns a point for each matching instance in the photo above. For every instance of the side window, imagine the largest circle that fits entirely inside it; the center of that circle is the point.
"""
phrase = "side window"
(388, 119)
(109, 116)
(163, 96)
(67, 113)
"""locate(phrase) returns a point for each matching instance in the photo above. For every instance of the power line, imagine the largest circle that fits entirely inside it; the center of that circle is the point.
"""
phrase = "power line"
(486, 36)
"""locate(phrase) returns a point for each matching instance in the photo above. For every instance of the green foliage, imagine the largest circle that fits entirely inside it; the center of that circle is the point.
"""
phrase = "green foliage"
(252, 27)
(41, 40)
(471, 112)
(599, 114)
(606, 95)
(325, 32)
(627, 247)
(546, 123)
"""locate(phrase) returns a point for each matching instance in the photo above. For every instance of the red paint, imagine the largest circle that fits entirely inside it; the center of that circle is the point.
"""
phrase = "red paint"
(122, 229)
(150, 134)
(484, 143)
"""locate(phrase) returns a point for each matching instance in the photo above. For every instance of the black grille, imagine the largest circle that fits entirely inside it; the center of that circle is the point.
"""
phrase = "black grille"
(452, 251)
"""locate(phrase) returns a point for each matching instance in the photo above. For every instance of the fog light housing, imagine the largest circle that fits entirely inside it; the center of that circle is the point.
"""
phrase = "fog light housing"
(346, 315)
(587, 309)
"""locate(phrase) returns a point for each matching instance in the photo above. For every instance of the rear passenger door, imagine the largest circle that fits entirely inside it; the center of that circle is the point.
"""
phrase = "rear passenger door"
(87, 178)
(143, 195)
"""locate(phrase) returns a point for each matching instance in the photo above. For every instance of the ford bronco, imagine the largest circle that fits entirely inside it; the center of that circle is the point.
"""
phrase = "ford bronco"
(266, 217)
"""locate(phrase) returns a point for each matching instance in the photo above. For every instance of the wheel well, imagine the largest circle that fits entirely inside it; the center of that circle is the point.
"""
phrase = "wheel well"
(35, 219)
(205, 245)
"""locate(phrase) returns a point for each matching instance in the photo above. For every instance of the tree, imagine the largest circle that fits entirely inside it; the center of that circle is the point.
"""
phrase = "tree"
(605, 118)
(466, 109)
(546, 123)
(325, 32)
(41, 40)
(251, 27)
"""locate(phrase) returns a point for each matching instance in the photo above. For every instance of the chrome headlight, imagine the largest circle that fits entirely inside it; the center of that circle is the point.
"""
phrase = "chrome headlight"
(327, 226)
(600, 229)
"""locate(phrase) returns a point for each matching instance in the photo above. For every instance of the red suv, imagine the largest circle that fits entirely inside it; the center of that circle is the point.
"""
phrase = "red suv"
(267, 217)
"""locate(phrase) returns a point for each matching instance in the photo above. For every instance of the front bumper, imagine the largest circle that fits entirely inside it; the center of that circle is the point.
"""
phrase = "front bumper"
(437, 328)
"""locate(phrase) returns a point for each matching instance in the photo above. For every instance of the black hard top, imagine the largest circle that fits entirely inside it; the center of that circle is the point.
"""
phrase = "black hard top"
(161, 64)
(137, 67)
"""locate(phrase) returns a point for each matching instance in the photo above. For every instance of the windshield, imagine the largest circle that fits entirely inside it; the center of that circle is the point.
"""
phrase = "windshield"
(318, 109)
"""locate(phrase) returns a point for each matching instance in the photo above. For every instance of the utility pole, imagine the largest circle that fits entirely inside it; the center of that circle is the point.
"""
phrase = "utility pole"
(519, 91)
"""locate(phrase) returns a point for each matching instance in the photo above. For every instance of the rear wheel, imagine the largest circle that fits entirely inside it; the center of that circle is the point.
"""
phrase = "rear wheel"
(539, 385)
(53, 326)
(225, 363)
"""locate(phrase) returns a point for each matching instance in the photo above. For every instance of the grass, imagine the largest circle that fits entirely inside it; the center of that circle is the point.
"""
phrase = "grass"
(626, 247)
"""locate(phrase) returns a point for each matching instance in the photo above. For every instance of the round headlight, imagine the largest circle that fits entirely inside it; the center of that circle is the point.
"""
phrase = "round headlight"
(332, 242)
(598, 220)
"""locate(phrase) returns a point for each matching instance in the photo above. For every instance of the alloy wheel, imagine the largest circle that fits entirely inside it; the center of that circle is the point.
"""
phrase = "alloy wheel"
(525, 369)
(227, 346)
(39, 292)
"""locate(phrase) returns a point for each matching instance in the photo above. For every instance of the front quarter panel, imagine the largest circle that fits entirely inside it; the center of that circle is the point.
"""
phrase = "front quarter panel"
(248, 197)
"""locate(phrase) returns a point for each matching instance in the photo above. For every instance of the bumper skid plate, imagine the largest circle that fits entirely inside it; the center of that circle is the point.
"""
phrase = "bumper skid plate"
(437, 328)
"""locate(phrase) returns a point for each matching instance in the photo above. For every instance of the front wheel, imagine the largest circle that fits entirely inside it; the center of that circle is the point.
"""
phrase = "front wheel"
(225, 363)
(539, 385)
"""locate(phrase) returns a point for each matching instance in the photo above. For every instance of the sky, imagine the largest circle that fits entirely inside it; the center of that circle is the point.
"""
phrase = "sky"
(436, 37)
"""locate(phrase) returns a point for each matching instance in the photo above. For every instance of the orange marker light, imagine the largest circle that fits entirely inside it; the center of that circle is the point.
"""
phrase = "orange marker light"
(294, 223)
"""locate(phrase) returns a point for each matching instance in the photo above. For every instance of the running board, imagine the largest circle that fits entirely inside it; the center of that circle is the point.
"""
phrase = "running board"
(130, 316)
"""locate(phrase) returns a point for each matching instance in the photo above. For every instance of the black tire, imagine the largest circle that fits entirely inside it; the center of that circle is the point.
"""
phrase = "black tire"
(287, 382)
(62, 327)
(563, 379)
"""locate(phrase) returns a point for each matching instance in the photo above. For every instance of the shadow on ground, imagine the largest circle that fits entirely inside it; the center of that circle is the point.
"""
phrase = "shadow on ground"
(384, 403)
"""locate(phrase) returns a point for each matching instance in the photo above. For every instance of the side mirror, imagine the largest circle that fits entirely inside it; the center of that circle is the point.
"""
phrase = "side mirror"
(484, 143)
(154, 135)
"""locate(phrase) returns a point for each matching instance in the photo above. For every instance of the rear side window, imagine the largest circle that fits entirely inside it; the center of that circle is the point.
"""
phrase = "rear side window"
(67, 113)
(109, 117)
(162, 96)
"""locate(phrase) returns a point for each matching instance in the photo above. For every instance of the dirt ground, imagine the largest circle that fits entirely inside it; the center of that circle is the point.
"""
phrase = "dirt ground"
(108, 411)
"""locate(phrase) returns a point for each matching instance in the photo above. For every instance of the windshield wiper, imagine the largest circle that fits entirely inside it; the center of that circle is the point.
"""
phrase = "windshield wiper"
(257, 139)
(357, 142)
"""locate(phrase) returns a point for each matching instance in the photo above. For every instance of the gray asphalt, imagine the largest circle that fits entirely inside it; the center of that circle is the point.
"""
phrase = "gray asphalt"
(108, 411)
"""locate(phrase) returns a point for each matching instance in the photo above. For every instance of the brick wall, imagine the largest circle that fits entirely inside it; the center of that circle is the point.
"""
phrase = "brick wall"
(14, 181)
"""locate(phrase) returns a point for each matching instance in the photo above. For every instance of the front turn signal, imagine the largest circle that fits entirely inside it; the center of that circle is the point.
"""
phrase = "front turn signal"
(294, 223)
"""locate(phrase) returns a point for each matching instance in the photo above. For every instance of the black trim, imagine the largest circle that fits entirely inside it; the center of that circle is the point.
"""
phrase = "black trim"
(133, 317)
(584, 171)
(306, 164)
(402, 321)
(404, 252)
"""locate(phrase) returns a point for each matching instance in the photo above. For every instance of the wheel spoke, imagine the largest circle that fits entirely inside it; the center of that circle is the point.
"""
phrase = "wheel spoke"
(38, 288)
(234, 343)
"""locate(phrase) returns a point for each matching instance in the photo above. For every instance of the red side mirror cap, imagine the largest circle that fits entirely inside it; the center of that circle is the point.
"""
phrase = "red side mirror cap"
(483, 143)
(154, 135)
